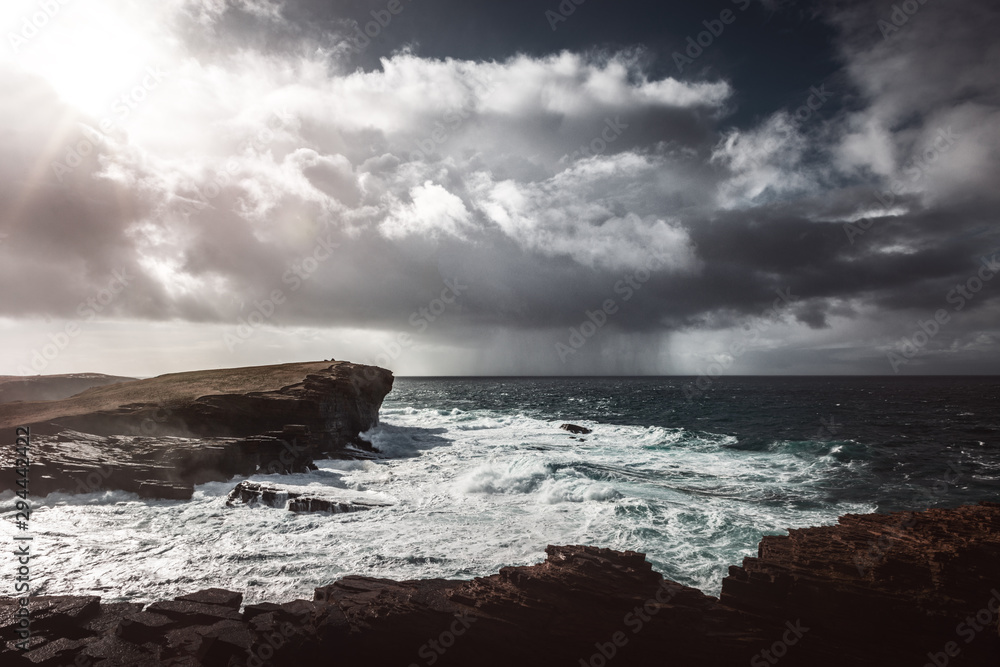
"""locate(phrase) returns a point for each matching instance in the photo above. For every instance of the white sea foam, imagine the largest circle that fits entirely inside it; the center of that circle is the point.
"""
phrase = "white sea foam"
(472, 491)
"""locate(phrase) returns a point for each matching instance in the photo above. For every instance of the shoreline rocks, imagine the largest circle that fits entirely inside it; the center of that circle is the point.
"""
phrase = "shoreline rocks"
(818, 597)
(300, 499)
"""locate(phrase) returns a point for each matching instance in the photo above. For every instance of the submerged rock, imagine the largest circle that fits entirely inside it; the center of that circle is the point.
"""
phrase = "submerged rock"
(573, 428)
(166, 490)
(300, 499)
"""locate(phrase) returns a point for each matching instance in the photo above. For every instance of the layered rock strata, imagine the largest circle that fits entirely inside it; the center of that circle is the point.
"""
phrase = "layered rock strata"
(160, 437)
(903, 589)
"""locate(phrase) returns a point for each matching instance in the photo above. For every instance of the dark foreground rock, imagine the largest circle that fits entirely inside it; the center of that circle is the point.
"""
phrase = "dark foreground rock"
(573, 428)
(162, 436)
(902, 589)
(929, 577)
(300, 499)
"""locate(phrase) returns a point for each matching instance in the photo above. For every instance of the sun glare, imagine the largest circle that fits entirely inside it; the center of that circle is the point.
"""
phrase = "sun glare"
(92, 56)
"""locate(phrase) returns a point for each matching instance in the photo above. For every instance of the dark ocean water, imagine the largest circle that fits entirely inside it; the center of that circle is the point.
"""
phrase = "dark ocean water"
(907, 436)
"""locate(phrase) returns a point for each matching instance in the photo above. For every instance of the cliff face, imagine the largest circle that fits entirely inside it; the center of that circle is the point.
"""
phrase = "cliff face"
(335, 399)
(161, 436)
(335, 403)
(803, 601)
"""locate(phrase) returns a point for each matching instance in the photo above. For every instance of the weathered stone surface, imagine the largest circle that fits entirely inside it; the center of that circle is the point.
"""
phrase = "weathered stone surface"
(868, 583)
(112, 651)
(110, 615)
(214, 644)
(251, 611)
(217, 596)
(300, 499)
(162, 436)
(57, 652)
(193, 613)
(144, 626)
(818, 597)
(51, 616)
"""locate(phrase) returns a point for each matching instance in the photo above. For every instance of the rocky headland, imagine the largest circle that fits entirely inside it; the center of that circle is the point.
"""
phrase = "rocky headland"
(902, 589)
(161, 436)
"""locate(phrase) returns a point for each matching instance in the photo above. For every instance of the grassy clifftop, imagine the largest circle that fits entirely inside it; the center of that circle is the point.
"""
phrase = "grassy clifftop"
(164, 390)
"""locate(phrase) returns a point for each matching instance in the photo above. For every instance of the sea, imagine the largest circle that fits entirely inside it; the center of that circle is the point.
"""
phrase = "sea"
(477, 474)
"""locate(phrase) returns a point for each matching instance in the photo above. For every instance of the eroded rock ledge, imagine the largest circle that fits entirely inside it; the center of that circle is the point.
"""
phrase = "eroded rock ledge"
(301, 499)
(901, 589)
(159, 437)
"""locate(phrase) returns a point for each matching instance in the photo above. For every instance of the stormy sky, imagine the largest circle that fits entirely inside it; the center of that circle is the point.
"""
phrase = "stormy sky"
(446, 187)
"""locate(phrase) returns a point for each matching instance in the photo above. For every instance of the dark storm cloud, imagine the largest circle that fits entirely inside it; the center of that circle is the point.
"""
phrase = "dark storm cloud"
(541, 169)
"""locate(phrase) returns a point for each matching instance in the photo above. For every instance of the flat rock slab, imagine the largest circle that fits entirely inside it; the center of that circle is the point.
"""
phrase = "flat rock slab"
(216, 596)
(193, 613)
(144, 626)
(58, 652)
(58, 615)
(301, 498)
